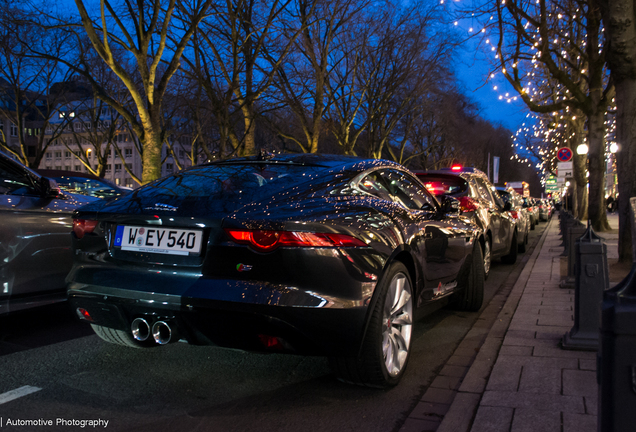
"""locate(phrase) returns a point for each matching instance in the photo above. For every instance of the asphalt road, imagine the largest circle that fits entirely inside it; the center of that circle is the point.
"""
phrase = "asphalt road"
(54, 369)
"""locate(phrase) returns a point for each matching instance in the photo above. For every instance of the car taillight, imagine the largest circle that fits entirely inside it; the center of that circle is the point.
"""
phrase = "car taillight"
(468, 204)
(267, 240)
(514, 214)
(83, 226)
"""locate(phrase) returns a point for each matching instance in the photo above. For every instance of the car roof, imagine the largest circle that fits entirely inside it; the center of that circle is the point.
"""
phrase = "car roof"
(465, 172)
(328, 161)
(65, 173)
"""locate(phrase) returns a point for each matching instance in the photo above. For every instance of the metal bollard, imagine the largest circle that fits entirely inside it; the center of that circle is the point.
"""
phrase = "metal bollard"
(592, 279)
(616, 359)
(574, 233)
(564, 217)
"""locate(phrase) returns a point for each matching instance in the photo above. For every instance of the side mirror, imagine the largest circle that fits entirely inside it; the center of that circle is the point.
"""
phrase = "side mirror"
(49, 188)
(450, 205)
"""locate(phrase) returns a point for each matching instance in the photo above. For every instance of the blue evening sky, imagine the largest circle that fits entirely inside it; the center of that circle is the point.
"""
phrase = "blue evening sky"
(472, 69)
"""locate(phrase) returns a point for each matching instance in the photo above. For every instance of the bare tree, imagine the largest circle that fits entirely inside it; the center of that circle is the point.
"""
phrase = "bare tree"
(140, 29)
(231, 51)
(28, 107)
(619, 18)
(552, 54)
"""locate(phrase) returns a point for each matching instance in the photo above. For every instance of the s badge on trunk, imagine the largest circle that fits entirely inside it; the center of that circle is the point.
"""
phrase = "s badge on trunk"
(243, 267)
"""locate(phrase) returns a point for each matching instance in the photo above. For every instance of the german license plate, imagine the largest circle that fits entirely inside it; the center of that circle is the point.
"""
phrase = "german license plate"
(159, 240)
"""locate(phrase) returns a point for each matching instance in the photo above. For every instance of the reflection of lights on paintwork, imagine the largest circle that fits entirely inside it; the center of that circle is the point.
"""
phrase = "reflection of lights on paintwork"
(5, 288)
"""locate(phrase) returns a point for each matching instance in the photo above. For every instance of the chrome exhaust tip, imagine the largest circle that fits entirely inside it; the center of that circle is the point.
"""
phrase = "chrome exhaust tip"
(140, 329)
(161, 332)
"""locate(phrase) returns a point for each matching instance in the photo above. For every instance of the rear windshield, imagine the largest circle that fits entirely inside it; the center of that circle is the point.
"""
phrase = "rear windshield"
(443, 184)
(242, 182)
(505, 196)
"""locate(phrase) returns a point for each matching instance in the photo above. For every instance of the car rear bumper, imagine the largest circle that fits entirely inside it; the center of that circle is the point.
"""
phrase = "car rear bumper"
(235, 314)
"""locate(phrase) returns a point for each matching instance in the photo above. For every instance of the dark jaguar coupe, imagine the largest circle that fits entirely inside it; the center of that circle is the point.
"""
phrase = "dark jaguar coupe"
(307, 254)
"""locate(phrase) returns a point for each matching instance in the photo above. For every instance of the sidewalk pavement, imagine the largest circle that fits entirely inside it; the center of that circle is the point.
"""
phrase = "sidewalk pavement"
(509, 373)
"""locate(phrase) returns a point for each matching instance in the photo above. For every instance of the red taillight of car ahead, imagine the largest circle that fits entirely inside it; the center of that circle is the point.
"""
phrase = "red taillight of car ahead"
(267, 240)
(468, 204)
(514, 214)
(83, 226)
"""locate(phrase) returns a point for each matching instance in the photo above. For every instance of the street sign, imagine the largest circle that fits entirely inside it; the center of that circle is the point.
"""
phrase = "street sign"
(565, 169)
(564, 154)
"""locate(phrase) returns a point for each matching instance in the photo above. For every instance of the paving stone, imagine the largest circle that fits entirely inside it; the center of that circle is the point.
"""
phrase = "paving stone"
(528, 420)
(540, 380)
(429, 411)
(458, 360)
(492, 419)
(551, 320)
(587, 364)
(454, 371)
(540, 362)
(553, 333)
(555, 351)
(520, 334)
(419, 425)
(579, 383)
(579, 422)
(446, 382)
(541, 402)
(591, 405)
(499, 328)
(477, 377)
(509, 350)
(460, 414)
(437, 395)
(504, 377)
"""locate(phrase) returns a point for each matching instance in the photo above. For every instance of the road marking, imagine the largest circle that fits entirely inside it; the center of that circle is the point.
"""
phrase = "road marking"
(17, 393)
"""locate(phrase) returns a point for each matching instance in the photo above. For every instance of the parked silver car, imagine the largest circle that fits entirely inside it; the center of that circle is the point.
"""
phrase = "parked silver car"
(518, 213)
(35, 237)
(479, 202)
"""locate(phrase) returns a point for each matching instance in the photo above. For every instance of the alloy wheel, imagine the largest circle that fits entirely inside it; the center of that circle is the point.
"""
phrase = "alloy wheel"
(397, 324)
(487, 257)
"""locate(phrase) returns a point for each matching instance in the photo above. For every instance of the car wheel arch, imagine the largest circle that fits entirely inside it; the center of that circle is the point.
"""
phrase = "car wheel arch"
(403, 256)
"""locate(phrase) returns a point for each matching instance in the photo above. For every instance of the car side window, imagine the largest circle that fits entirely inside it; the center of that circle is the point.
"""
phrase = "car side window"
(408, 192)
(374, 185)
(483, 190)
(13, 182)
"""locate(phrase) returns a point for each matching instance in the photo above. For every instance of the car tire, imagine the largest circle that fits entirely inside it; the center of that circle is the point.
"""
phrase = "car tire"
(387, 343)
(511, 258)
(532, 225)
(114, 336)
(487, 256)
(471, 297)
(522, 246)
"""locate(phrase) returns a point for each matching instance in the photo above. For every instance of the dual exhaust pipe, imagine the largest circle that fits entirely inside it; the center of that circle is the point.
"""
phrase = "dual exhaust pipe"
(160, 331)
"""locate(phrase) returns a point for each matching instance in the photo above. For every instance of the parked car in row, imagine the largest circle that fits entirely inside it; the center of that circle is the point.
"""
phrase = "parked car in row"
(306, 254)
(35, 240)
(480, 202)
(545, 209)
(518, 213)
(532, 210)
(84, 183)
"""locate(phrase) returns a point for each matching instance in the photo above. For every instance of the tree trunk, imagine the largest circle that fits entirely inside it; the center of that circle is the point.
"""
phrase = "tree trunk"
(249, 139)
(619, 19)
(151, 158)
(596, 167)
(626, 161)
(580, 186)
